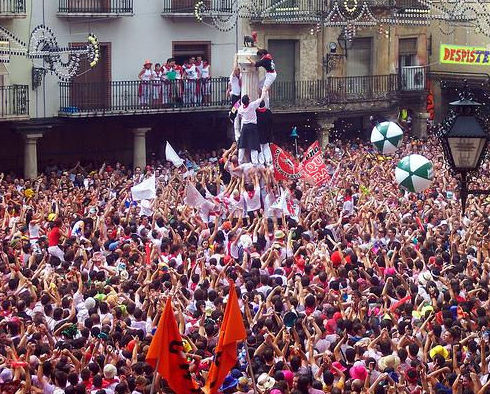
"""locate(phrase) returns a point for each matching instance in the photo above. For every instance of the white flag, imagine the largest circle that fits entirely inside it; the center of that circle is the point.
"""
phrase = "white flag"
(172, 156)
(145, 190)
(194, 199)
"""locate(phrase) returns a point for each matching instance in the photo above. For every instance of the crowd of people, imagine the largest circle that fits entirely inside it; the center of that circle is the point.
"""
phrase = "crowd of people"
(359, 288)
(173, 84)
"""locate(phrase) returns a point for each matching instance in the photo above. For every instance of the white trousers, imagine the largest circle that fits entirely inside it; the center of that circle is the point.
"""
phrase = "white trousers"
(265, 155)
(254, 156)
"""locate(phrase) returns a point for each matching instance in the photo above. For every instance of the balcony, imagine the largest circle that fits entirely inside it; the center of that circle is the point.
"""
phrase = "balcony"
(12, 9)
(14, 102)
(413, 79)
(139, 98)
(95, 8)
(186, 8)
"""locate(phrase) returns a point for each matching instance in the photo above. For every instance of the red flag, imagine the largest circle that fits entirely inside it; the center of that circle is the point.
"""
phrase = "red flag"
(285, 166)
(313, 165)
(166, 354)
(231, 332)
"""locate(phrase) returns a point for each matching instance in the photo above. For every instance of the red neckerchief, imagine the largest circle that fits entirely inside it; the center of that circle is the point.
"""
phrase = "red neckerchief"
(261, 109)
(251, 194)
(268, 56)
(197, 64)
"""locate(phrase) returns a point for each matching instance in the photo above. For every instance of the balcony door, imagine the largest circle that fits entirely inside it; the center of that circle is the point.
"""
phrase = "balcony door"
(359, 67)
(286, 59)
(91, 89)
(411, 76)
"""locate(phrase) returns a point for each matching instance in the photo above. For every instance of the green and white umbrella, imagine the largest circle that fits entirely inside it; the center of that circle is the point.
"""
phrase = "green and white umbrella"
(387, 137)
(414, 173)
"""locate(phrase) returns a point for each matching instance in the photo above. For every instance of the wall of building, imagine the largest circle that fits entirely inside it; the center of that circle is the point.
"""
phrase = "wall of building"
(145, 35)
(18, 70)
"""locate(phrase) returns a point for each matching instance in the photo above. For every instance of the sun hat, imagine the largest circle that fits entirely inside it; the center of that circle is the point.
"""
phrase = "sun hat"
(279, 234)
(147, 61)
(390, 361)
(358, 371)
(439, 350)
(265, 382)
(229, 383)
(339, 366)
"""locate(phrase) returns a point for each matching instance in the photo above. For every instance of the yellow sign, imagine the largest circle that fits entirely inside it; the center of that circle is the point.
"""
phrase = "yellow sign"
(471, 56)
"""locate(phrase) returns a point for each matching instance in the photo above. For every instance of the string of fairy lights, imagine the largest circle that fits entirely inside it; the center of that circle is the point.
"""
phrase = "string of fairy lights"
(348, 13)
(43, 45)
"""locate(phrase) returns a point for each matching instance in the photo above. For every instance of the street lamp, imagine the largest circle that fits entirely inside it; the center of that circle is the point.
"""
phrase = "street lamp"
(465, 143)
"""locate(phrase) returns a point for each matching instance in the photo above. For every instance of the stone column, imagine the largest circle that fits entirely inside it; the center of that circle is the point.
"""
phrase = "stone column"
(30, 155)
(139, 147)
(325, 124)
(419, 124)
(250, 74)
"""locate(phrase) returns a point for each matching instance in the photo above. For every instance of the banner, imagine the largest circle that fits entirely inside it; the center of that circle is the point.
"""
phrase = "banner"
(285, 166)
(194, 199)
(459, 54)
(313, 166)
(231, 332)
(166, 354)
(172, 156)
(146, 190)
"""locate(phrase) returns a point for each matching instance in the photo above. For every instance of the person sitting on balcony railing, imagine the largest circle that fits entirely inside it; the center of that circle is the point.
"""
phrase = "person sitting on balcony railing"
(205, 73)
(235, 86)
(267, 63)
(146, 75)
(191, 76)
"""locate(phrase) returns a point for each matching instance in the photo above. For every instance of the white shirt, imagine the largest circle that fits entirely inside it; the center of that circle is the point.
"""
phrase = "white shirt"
(205, 72)
(236, 88)
(248, 113)
(253, 203)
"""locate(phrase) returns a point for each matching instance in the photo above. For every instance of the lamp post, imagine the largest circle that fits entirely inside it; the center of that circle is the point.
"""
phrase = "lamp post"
(465, 143)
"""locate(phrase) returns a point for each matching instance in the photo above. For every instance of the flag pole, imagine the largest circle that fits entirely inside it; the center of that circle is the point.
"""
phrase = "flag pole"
(155, 373)
(247, 354)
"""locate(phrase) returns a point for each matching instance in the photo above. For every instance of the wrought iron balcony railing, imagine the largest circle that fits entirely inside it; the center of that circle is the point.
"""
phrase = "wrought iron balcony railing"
(14, 102)
(413, 78)
(12, 8)
(135, 97)
(98, 7)
(187, 7)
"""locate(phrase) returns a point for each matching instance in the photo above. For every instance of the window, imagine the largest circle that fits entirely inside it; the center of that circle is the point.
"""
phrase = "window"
(182, 50)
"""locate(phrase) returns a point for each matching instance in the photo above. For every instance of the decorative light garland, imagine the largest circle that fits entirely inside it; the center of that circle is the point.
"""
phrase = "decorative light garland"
(346, 12)
(43, 45)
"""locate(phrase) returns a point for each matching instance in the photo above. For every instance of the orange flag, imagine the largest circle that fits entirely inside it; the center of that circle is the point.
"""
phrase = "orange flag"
(166, 354)
(232, 331)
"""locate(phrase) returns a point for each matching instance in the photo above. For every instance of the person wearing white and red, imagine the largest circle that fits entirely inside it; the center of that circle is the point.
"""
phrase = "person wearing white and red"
(168, 77)
(235, 86)
(249, 134)
(191, 76)
(264, 125)
(146, 76)
(267, 63)
(157, 85)
(251, 196)
(205, 73)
